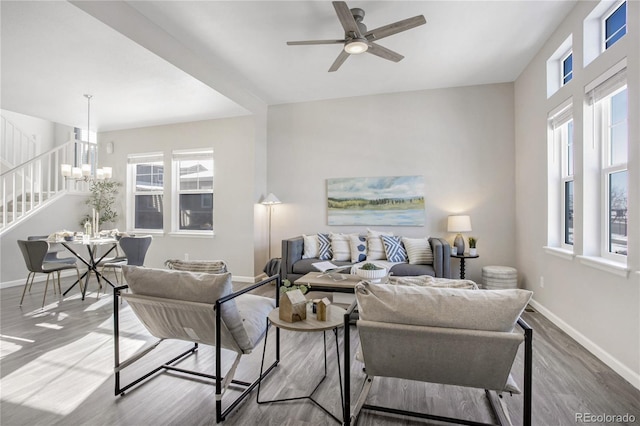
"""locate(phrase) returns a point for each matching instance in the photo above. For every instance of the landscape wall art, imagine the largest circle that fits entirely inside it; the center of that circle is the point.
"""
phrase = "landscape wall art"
(376, 201)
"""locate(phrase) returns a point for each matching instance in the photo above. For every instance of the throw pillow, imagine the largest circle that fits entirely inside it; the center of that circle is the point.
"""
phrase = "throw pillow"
(340, 247)
(310, 249)
(358, 248)
(418, 251)
(393, 248)
(375, 247)
(324, 247)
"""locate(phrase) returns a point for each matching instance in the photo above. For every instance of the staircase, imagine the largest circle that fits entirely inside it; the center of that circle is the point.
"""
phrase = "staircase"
(36, 182)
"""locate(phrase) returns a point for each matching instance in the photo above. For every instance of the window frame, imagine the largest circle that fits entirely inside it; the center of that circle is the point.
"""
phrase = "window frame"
(558, 175)
(133, 161)
(186, 155)
(563, 76)
(603, 25)
(566, 142)
(607, 168)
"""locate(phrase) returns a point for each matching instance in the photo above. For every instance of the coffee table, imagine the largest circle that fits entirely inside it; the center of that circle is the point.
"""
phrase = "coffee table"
(344, 283)
(335, 320)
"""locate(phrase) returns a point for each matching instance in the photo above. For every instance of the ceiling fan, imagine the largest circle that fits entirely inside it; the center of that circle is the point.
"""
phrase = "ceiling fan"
(357, 39)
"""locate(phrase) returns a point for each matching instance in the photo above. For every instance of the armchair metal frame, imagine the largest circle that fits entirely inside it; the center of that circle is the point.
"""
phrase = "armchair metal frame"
(170, 365)
(349, 318)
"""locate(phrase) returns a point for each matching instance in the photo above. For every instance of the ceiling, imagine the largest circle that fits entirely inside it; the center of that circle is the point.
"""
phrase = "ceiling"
(160, 62)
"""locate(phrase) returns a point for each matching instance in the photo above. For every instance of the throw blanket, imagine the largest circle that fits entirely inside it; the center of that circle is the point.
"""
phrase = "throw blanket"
(429, 281)
(207, 266)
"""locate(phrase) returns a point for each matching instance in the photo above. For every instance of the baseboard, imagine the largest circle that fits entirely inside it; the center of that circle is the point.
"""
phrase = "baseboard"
(38, 278)
(624, 371)
(43, 277)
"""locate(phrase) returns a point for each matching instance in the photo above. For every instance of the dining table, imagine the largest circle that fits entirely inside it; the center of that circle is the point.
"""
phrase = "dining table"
(92, 259)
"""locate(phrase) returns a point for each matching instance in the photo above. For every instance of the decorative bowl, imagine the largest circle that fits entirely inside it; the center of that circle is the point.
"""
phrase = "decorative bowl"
(69, 237)
(373, 275)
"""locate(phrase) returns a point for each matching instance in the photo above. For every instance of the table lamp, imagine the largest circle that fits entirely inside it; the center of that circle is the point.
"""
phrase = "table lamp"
(459, 223)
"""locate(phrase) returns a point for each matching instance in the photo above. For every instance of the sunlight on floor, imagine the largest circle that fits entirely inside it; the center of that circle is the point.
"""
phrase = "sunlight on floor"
(61, 379)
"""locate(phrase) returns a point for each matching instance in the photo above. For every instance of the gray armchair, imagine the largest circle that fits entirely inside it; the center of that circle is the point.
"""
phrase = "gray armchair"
(440, 335)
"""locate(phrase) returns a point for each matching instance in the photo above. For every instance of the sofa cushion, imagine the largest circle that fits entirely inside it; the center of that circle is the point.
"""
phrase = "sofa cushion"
(324, 247)
(358, 245)
(375, 247)
(418, 250)
(490, 310)
(189, 286)
(310, 244)
(405, 269)
(394, 249)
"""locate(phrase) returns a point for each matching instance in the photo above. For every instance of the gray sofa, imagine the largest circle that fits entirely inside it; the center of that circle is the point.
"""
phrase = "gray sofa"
(293, 266)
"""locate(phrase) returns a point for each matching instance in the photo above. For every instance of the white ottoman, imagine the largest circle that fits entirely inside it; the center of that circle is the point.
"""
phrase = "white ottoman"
(499, 277)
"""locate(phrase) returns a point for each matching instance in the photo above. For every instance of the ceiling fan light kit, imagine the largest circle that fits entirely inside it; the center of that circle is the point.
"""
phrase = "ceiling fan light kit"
(355, 47)
(358, 40)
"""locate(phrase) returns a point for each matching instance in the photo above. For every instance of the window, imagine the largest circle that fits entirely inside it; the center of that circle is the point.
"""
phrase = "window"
(193, 191)
(566, 141)
(560, 66)
(615, 25)
(609, 100)
(145, 191)
(567, 68)
(614, 172)
(561, 171)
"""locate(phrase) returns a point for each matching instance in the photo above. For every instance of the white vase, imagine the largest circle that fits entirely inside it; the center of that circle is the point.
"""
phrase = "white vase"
(473, 252)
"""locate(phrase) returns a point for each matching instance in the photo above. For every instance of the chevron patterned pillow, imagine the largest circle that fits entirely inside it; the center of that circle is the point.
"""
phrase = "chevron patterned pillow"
(394, 249)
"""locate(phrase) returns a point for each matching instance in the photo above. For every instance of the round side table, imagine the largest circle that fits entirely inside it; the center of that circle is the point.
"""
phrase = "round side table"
(462, 258)
(335, 320)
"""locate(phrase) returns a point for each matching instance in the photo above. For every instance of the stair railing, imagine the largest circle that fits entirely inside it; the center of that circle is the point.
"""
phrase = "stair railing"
(17, 146)
(37, 181)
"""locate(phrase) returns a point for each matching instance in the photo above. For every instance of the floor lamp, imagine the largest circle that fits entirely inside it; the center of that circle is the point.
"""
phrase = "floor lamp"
(269, 201)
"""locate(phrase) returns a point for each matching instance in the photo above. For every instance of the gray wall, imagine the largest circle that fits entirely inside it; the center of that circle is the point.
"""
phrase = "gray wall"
(598, 308)
(460, 140)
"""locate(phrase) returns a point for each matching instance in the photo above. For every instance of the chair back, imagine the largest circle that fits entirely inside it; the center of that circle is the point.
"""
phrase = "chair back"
(460, 357)
(34, 253)
(135, 249)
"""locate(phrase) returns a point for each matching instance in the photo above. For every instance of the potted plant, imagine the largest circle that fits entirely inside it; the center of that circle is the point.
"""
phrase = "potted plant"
(102, 199)
(371, 272)
(288, 286)
(472, 246)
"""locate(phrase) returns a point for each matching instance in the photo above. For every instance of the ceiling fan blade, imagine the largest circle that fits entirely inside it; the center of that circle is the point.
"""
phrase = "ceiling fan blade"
(305, 42)
(384, 53)
(346, 18)
(395, 28)
(339, 61)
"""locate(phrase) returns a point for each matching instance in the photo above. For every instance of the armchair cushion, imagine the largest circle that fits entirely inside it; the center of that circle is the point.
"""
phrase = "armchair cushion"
(489, 310)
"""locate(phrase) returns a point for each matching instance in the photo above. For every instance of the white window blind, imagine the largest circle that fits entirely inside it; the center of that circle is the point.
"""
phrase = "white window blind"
(607, 87)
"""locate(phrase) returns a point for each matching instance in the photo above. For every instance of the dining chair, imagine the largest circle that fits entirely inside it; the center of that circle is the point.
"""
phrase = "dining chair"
(135, 250)
(35, 253)
(54, 249)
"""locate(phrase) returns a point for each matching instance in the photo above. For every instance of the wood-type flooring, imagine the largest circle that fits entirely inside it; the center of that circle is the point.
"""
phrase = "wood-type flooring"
(57, 369)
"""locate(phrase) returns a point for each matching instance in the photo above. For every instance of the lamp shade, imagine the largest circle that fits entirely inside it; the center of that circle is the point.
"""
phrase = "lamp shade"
(271, 199)
(460, 223)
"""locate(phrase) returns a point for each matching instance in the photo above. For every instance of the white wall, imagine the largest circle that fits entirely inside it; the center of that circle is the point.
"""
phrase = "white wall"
(233, 142)
(599, 309)
(460, 140)
(63, 213)
(47, 134)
